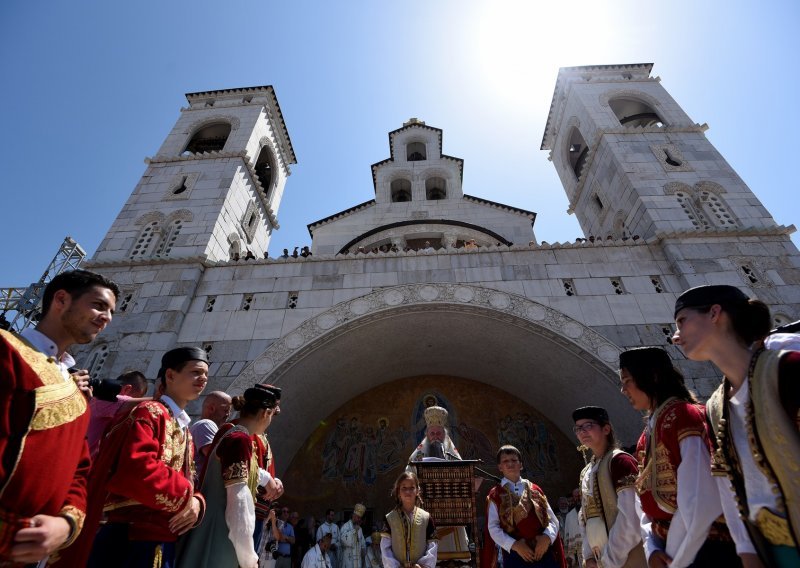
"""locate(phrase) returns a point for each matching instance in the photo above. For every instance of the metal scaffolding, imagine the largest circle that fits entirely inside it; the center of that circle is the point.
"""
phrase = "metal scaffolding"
(19, 307)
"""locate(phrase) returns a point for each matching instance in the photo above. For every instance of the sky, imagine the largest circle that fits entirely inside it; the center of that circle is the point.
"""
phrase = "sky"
(92, 88)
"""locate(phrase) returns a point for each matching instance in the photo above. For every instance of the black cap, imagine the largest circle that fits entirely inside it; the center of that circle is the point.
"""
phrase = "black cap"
(261, 395)
(595, 413)
(708, 295)
(276, 391)
(175, 358)
(644, 357)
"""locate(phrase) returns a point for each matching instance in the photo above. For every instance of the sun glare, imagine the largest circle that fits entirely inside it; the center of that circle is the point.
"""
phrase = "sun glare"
(521, 44)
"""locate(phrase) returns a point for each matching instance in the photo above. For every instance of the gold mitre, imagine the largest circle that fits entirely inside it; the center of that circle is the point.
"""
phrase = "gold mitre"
(376, 537)
(435, 416)
(359, 510)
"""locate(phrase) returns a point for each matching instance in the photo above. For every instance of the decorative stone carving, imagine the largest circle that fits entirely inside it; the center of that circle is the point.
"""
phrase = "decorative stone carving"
(386, 303)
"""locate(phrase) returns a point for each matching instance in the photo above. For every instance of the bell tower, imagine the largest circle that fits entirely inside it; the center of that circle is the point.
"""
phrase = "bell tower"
(214, 188)
(634, 164)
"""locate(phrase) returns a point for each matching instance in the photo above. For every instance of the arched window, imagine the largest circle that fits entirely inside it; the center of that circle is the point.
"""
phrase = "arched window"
(415, 152)
(170, 236)
(96, 359)
(145, 244)
(265, 169)
(578, 151)
(696, 217)
(715, 209)
(210, 138)
(401, 190)
(631, 113)
(435, 188)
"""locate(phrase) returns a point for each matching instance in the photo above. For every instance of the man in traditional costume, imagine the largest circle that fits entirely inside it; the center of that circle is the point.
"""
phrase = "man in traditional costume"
(520, 521)
(333, 529)
(317, 556)
(143, 477)
(453, 541)
(45, 458)
(609, 519)
(352, 540)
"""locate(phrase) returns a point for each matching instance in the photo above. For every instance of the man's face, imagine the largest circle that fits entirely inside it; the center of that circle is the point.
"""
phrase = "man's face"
(188, 383)
(294, 518)
(356, 519)
(325, 543)
(576, 496)
(221, 411)
(83, 318)
(285, 514)
(563, 504)
(435, 434)
(330, 516)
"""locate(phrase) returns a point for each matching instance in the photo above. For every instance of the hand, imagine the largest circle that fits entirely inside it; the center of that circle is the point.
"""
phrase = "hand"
(542, 544)
(186, 519)
(271, 515)
(521, 547)
(37, 542)
(271, 489)
(659, 559)
(751, 561)
(279, 484)
(81, 379)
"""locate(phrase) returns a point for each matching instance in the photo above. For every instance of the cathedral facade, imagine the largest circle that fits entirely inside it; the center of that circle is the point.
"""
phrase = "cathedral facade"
(427, 295)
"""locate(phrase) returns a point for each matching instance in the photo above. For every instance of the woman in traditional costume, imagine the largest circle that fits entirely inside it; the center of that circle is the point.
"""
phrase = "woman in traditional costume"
(681, 513)
(231, 478)
(608, 518)
(753, 414)
(411, 538)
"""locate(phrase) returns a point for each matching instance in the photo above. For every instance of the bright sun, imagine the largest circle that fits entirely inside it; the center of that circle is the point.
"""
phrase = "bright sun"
(521, 44)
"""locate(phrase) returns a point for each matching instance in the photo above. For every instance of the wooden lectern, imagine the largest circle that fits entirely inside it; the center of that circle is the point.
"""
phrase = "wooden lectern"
(447, 494)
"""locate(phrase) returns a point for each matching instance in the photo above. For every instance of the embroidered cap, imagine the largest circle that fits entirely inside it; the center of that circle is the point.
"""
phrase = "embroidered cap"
(644, 357)
(702, 296)
(359, 510)
(262, 395)
(599, 415)
(436, 416)
(175, 358)
(276, 391)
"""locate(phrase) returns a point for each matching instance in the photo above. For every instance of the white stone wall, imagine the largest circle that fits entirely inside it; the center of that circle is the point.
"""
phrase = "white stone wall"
(615, 291)
(330, 237)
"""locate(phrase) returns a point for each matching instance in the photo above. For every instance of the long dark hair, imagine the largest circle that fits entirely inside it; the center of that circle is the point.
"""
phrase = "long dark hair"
(751, 320)
(396, 489)
(654, 374)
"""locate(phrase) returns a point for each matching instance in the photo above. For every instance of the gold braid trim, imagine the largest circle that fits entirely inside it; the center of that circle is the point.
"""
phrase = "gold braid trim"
(57, 405)
(75, 518)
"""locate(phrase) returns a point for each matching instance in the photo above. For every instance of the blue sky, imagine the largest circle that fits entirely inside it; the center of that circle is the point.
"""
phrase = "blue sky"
(92, 88)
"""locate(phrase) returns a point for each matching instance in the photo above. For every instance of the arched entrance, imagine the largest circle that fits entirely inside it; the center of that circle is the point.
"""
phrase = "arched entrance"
(549, 361)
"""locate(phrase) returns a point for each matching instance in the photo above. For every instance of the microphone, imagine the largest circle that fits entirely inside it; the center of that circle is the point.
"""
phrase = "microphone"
(437, 451)
(452, 455)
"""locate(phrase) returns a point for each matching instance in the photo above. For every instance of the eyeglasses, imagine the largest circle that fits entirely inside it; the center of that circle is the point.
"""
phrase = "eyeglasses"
(585, 427)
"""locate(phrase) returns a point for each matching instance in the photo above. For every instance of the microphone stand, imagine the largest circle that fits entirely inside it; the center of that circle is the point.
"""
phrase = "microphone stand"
(484, 474)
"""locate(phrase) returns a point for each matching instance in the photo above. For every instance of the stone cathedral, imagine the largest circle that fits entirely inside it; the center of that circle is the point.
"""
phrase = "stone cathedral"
(425, 295)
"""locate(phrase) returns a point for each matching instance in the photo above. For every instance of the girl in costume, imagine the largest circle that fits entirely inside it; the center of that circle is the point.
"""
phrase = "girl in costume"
(411, 538)
(681, 513)
(753, 415)
(608, 518)
(231, 478)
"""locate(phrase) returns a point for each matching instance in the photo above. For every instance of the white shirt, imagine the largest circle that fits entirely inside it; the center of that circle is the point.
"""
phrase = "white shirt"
(758, 487)
(503, 539)
(45, 345)
(180, 415)
(315, 558)
(333, 529)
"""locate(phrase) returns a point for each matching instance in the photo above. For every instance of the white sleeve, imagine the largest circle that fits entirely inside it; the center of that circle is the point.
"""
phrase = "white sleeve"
(698, 502)
(240, 515)
(499, 536)
(585, 548)
(308, 561)
(624, 534)
(428, 560)
(389, 561)
(551, 530)
(263, 477)
(732, 519)
(650, 541)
